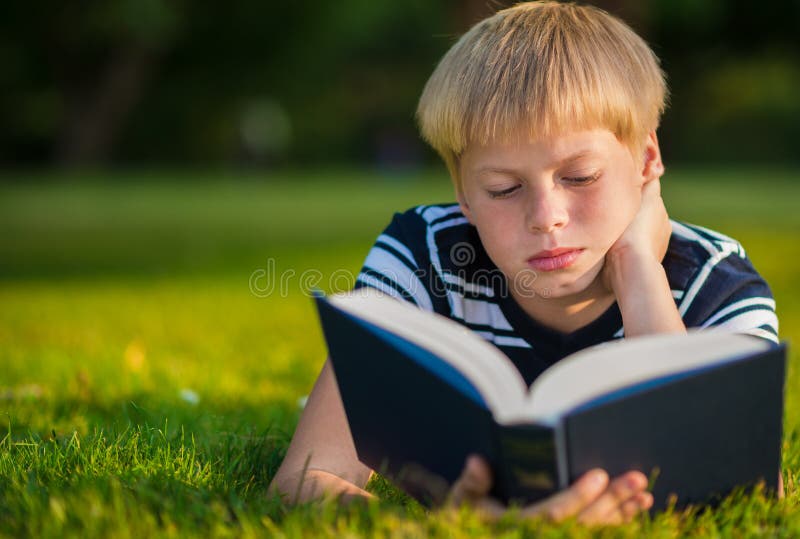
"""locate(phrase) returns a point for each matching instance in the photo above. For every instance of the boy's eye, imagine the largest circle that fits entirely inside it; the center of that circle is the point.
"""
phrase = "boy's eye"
(503, 192)
(583, 180)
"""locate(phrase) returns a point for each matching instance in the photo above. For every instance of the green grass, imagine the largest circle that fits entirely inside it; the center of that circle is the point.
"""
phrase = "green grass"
(145, 390)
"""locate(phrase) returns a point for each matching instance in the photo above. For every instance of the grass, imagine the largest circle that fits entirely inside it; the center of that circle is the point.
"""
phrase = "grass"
(146, 390)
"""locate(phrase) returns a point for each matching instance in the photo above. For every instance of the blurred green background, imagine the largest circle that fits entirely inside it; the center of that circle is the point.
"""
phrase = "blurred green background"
(307, 82)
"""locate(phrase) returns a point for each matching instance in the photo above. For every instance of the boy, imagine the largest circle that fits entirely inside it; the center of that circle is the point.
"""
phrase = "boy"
(545, 115)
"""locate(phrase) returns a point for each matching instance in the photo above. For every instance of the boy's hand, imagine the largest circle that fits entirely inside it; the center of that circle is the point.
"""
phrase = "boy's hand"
(592, 499)
(646, 238)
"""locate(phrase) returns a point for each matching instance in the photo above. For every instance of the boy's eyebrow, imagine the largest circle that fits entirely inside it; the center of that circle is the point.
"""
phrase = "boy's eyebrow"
(575, 156)
(510, 170)
(501, 170)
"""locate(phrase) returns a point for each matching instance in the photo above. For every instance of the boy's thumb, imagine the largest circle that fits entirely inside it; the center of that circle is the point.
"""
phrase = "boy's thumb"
(474, 483)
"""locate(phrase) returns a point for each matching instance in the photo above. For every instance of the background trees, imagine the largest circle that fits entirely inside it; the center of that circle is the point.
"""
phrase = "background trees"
(306, 82)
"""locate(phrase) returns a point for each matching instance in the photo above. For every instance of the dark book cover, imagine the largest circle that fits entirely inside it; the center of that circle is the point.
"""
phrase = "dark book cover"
(415, 419)
(699, 435)
(407, 424)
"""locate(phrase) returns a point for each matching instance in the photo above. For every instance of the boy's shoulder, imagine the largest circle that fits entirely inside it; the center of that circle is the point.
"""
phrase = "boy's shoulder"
(709, 272)
(430, 228)
(438, 236)
(708, 241)
(693, 248)
(427, 215)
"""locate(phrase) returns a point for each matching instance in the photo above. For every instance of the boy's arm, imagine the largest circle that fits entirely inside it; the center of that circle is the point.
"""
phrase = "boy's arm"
(321, 459)
(633, 270)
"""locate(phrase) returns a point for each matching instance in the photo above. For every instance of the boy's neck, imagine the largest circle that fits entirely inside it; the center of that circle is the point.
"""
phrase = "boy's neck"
(566, 314)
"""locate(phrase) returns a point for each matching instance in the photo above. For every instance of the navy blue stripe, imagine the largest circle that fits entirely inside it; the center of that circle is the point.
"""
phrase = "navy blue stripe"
(410, 264)
(447, 217)
(767, 327)
(738, 312)
(489, 329)
(718, 242)
(384, 279)
(454, 287)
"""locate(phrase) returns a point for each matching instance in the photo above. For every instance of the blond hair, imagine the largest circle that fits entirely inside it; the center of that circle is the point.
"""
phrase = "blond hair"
(545, 68)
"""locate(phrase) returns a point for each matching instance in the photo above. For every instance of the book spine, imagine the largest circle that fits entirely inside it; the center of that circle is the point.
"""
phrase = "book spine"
(562, 455)
(525, 466)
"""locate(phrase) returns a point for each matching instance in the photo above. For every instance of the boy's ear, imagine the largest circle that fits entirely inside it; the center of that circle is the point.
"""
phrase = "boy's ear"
(653, 167)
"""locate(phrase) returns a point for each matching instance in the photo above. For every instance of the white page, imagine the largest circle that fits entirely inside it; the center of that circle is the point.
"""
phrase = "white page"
(489, 370)
(608, 367)
(575, 380)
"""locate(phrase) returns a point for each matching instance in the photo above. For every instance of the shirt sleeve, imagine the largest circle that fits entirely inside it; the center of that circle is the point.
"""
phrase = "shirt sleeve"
(728, 294)
(395, 263)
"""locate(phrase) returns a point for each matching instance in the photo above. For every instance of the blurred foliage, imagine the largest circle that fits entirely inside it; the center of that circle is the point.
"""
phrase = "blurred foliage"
(128, 81)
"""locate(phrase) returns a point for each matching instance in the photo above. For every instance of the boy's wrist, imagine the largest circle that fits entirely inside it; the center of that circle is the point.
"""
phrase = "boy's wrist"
(626, 266)
(640, 284)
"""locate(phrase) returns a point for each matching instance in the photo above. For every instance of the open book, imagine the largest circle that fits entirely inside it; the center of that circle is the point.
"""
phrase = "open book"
(701, 413)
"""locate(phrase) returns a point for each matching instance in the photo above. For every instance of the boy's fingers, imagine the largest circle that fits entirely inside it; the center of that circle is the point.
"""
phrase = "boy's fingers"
(652, 186)
(489, 508)
(573, 500)
(473, 484)
(644, 500)
(628, 510)
(619, 491)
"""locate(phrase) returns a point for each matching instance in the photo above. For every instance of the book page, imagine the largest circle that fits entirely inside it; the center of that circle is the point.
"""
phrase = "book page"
(492, 374)
(606, 368)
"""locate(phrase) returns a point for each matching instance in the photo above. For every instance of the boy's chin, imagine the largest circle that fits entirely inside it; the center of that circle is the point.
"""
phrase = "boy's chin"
(587, 286)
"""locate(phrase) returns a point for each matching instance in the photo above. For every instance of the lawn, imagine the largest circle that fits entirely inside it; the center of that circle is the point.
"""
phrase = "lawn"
(156, 339)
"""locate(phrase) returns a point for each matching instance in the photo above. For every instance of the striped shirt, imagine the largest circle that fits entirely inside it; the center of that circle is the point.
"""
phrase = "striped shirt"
(432, 257)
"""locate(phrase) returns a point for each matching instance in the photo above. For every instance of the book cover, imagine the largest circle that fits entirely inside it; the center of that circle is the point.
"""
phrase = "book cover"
(415, 418)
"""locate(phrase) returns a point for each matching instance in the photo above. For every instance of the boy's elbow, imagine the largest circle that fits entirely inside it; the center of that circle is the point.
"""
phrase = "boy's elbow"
(277, 486)
(289, 485)
(307, 485)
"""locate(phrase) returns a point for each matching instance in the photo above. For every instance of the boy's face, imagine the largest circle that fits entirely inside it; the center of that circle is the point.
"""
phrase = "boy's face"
(548, 211)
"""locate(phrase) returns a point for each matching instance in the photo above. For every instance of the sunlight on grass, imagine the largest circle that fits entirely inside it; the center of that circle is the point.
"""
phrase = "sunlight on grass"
(146, 389)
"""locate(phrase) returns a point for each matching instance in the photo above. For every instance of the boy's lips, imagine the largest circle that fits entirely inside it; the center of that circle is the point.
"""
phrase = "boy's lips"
(554, 259)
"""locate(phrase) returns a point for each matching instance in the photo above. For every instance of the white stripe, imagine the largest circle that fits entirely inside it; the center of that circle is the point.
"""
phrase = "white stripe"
(688, 233)
(447, 224)
(391, 267)
(620, 332)
(433, 249)
(677, 294)
(511, 341)
(484, 313)
(758, 332)
(371, 281)
(474, 288)
(435, 212)
(723, 237)
(399, 247)
(719, 236)
(769, 302)
(688, 298)
(420, 209)
(456, 307)
(750, 320)
(516, 342)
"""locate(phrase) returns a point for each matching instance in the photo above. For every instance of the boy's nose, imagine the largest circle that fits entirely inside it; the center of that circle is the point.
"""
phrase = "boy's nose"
(546, 211)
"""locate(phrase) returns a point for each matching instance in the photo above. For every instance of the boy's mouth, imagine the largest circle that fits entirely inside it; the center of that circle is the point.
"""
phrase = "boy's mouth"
(554, 259)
